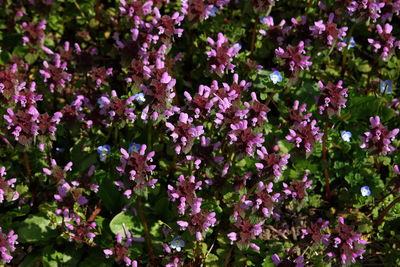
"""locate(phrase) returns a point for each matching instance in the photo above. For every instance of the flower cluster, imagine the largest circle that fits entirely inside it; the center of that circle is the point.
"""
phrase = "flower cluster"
(378, 139)
(329, 32)
(136, 168)
(56, 74)
(222, 54)
(76, 227)
(56, 171)
(348, 244)
(272, 164)
(297, 190)
(199, 220)
(387, 42)
(265, 201)
(184, 132)
(34, 32)
(246, 232)
(28, 124)
(7, 245)
(369, 8)
(6, 187)
(202, 9)
(305, 134)
(333, 98)
(292, 58)
(120, 251)
(116, 109)
(317, 232)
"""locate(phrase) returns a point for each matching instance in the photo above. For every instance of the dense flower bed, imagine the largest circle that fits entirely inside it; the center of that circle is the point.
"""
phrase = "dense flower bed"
(199, 133)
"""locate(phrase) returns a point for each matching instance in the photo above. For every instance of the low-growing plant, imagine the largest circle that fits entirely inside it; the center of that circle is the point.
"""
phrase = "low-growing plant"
(199, 133)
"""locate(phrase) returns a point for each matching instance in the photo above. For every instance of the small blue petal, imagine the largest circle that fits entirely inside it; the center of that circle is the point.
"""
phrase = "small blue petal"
(346, 136)
(352, 42)
(365, 191)
(386, 87)
(213, 12)
(177, 243)
(106, 149)
(275, 77)
(133, 147)
(140, 98)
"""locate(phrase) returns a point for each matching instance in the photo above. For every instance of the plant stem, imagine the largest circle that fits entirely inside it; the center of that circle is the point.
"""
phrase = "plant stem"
(146, 232)
(27, 166)
(228, 256)
(324, 158)
(254, 36)
(381, 217)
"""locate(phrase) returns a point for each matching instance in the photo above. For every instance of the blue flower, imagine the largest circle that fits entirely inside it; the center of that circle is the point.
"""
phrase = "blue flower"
(133, 147)
(346, 136)
(177, 244)
(365, 192)
(213, 12)
(60, 149)
(101, 101)
(352, 43)
(103, 152)
(275, 77)
(140, 98)
(386, 87)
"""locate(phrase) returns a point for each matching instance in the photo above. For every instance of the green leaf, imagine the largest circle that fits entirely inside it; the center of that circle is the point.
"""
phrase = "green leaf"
(365, 68)
(96, 258)
(124, 221)
(35, 228)
(31, 57)
(108, 191)
(68, 257)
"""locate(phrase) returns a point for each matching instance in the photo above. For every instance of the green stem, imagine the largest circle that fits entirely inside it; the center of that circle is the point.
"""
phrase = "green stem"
(228, 256)
(324, 158)
(146, 231)
(381, 217)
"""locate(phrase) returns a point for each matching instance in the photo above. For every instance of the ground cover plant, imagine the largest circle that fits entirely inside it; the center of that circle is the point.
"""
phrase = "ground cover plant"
(199, 133)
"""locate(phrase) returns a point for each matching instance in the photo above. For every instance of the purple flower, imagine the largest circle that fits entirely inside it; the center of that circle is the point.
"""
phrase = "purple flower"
(34, 33)
(272, 164)
(55, 74)
(366, 8)
(7, 245)
(386, 43)
(305, 135)
(184, 133)
(221, 54)
(349, 245)
(293, 59)
(332, 98)
(6, 187)
(136, 169)
(318, 232)
(264, 200)
(246, 232)
(120, 251)
(378, 139)
(329, 32)
(297, 190)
